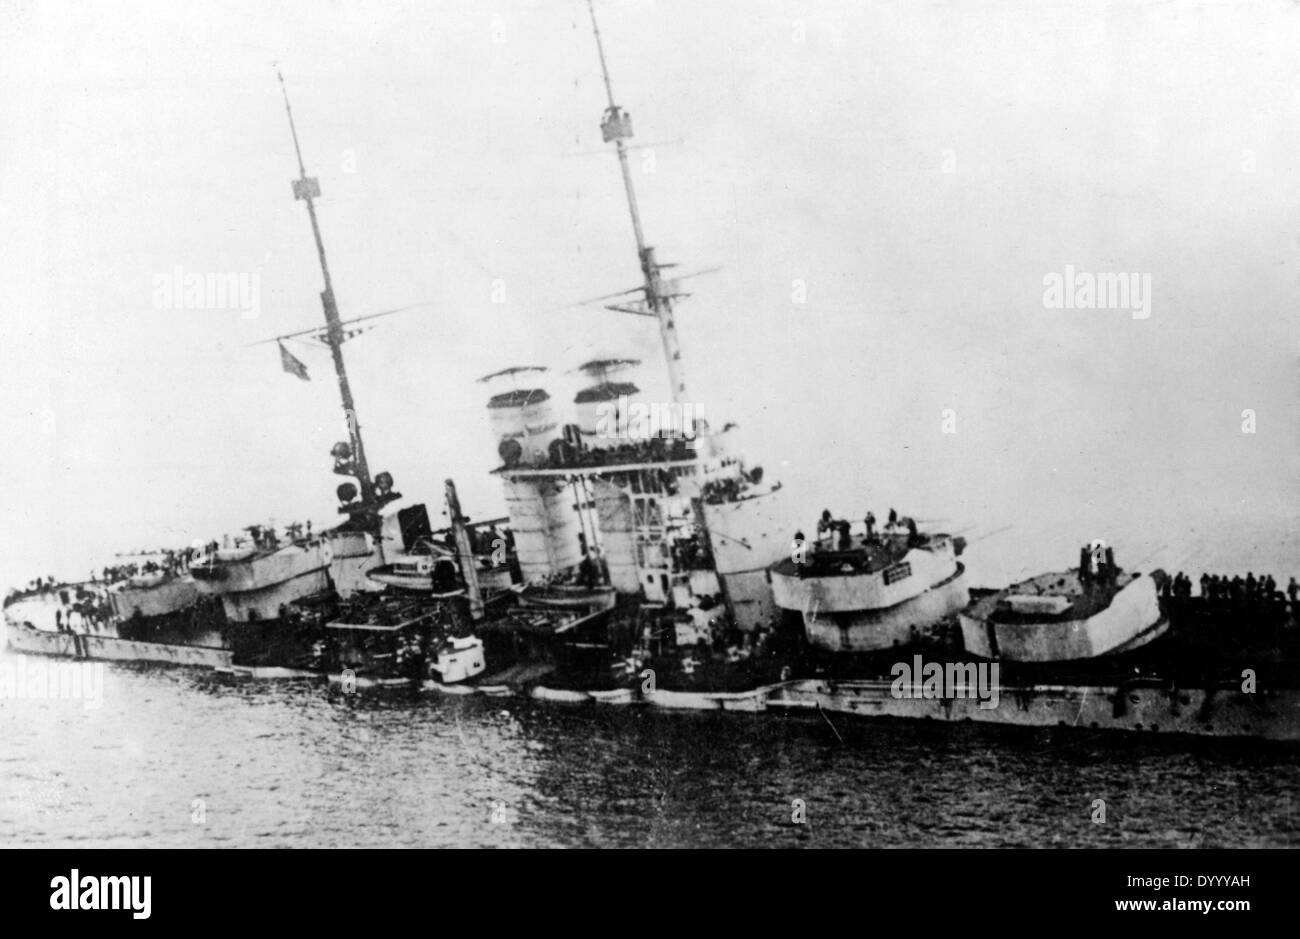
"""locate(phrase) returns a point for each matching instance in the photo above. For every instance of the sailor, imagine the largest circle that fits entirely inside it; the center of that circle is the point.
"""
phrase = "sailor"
(912, 537)
(1292, 589)
(1251, 586)
(871, 526)
(846, 540)
(588, 571)
(1205, 585)
(824, 524)
(893, 518)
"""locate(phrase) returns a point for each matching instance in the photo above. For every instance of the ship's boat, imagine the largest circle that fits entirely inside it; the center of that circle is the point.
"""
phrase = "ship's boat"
(437, 574)
(559, 695)
(613, 696)
(872, 593)
(1090, 611)
(572, 597)
(426, 574)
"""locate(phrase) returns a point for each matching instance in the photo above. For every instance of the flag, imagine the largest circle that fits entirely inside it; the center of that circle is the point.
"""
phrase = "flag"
(291, 364)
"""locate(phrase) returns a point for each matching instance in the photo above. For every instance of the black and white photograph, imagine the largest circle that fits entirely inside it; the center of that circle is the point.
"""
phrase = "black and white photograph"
(622, 424)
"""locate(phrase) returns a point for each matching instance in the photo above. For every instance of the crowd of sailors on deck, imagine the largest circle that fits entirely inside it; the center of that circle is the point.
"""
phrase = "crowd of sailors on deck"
(731, 488)
(563, 454)
(44, 584)
(262, 537)
(1244, 591)
(836, 533)
(171, 563)
(33, 587)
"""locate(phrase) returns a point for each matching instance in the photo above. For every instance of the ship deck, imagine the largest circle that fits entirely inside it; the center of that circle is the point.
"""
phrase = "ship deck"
(1086, 600)
(862, 556)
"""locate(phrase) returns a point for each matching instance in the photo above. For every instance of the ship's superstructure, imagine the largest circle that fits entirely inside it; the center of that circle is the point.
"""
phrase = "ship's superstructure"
(1094, 610)
(879, 591)
(627, 494)
(638, 538)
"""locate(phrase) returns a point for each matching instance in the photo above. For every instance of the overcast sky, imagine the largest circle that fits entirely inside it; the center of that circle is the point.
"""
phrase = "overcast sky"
(911, 171)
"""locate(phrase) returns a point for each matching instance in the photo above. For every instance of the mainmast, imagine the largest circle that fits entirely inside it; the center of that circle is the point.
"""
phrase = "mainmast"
(307, 188)
(616, 126)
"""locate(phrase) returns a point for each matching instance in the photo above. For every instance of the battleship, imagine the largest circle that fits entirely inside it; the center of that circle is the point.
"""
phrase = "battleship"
(661, 568)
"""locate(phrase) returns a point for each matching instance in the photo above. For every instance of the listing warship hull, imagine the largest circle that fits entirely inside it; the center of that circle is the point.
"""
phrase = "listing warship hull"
(661, 572)
(159, 620)
(31, 641)
(719, 608)
(1176, 684)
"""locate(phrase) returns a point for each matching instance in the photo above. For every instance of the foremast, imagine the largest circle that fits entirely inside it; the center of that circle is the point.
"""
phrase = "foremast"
(307, 189)
(616, 127)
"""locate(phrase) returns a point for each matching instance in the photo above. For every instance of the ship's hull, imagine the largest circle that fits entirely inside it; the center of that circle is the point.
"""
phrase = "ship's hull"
(161, 599)
(257, 586)
(255, 601)
(1150, 707)
(26, 639)
(897, 626)
(1153, 708)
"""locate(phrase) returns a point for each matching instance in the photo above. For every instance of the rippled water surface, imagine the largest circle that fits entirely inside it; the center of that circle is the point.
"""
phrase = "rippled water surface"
(175, 757)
